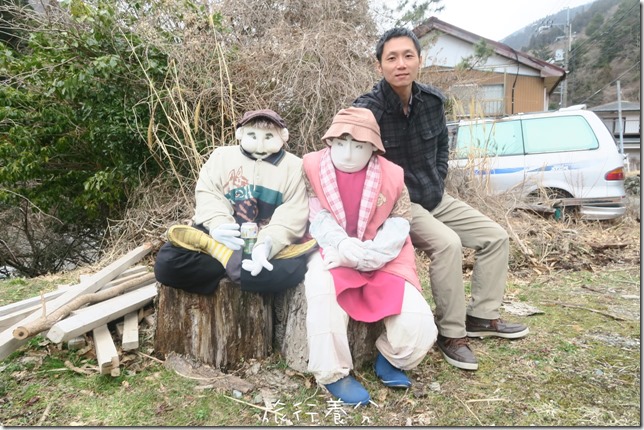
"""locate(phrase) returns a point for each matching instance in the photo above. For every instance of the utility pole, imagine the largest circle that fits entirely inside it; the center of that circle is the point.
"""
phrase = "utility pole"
(619, 119)
(564, 84)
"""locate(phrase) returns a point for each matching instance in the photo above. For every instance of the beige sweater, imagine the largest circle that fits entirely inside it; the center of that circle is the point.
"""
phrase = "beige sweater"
(233, 187)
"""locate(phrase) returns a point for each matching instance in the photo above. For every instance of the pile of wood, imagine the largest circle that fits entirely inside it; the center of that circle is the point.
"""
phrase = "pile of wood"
(119, 291)
(224, 329)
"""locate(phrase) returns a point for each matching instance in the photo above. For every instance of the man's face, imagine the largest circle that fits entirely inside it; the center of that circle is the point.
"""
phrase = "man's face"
(260, 142)
(350, 155)
(400, 63)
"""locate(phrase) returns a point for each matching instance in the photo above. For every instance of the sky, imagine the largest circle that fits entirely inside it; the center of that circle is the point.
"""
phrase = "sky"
(496, 19)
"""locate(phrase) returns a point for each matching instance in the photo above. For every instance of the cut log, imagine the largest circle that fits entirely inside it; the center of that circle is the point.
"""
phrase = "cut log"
(106, 354)
(130, 339)
(8, 343)
(131, 275)
(101, 313)
(290, 332)
(221, 329)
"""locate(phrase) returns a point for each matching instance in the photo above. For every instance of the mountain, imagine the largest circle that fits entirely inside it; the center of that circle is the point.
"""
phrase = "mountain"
(604, 47)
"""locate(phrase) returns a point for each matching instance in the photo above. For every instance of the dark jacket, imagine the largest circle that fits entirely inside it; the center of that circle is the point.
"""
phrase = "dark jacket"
(418, 143)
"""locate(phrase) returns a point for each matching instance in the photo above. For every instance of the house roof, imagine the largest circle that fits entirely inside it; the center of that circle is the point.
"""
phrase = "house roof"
(552, 74)
(612, 107)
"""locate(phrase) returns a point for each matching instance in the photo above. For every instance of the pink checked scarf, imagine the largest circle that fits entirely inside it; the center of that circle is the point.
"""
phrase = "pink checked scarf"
(332, 194)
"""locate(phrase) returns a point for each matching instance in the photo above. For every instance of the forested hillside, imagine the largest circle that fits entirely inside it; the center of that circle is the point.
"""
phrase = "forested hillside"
(604, 48)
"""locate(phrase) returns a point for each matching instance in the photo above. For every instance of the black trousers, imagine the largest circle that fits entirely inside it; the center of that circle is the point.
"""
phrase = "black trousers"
(200, 273)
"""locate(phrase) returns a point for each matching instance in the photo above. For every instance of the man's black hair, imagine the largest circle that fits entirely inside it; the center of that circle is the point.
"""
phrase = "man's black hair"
(393, 33)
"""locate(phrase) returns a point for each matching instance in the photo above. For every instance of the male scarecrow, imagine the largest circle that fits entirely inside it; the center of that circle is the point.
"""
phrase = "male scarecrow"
(256, 181)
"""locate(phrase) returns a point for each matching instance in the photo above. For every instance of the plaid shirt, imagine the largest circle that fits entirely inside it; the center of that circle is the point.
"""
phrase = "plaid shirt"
(418, 142)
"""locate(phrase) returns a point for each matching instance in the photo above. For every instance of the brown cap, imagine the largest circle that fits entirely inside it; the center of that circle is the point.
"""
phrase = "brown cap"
(357, 122)
(268, 114)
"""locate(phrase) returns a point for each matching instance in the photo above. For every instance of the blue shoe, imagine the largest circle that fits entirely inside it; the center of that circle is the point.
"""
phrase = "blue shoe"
(389, 375)
(349, 391)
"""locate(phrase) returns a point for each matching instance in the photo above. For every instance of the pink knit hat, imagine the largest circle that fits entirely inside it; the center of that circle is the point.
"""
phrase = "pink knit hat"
(357, 122)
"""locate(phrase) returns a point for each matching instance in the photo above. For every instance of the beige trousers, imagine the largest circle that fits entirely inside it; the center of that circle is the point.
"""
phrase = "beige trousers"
(442, 234)
(404, 343)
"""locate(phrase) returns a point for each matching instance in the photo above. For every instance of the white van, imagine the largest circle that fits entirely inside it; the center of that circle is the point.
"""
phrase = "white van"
(567, 154)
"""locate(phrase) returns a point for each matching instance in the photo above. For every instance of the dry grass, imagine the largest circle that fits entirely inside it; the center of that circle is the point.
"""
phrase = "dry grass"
(580, 366)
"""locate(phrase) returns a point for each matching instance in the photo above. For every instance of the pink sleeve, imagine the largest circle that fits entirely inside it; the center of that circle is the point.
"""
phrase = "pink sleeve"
(314, 207)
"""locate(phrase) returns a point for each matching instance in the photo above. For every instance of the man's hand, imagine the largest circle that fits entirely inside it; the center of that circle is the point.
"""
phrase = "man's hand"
(259, 258)
(228, 235)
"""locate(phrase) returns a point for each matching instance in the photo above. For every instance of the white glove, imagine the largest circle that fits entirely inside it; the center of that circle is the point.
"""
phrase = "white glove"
(349, 254)
(228, 234)
(352, 250)
(259, 258)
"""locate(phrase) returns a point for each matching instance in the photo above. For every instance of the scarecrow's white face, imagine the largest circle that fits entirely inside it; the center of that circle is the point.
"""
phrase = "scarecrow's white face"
(350, 155)
(261, 142)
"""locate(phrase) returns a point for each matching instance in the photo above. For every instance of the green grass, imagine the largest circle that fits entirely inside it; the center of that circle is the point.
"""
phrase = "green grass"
(578, 367)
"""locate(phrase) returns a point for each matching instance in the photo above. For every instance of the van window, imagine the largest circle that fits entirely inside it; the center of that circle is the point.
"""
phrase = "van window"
(489, 139)
(558, 134)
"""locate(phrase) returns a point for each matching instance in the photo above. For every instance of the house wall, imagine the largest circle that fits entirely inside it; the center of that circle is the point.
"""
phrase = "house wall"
(443, 52)
(528, 91)
(630, 122)
(630, 137)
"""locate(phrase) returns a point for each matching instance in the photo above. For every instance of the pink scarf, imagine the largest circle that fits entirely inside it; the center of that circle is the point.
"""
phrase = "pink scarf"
(332, 194)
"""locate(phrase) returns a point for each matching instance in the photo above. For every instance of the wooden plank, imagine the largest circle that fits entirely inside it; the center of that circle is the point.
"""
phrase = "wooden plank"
(8, 343)
(106, 354)
(101, 313)
(130, 339)
(10, 319)
(30, 302)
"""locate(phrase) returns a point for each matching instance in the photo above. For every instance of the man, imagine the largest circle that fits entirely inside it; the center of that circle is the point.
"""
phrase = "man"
(360, 212)
(256, 181)
(414, 133)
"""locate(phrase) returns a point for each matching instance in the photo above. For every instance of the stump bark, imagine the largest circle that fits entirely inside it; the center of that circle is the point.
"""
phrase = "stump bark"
(221, 329)
(290, 332)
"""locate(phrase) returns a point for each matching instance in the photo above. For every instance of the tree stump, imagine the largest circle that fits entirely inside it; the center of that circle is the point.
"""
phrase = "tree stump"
(221, 329)
(230, 326)
(290, 332)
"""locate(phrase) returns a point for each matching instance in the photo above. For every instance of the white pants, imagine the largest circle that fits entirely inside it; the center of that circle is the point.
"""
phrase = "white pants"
(404, 343)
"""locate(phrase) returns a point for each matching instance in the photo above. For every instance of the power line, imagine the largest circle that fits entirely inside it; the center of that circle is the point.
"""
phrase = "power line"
(610, 83)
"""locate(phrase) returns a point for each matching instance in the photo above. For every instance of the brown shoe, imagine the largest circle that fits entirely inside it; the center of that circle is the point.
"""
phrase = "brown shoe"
(457, 352)
(479, 327)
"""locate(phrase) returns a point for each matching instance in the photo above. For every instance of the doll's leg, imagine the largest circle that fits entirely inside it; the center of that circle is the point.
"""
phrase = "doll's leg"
(326, 325)
(408, 336)
(187, 270)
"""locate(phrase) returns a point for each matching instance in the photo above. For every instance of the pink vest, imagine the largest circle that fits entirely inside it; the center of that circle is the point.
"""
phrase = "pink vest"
(391, 187)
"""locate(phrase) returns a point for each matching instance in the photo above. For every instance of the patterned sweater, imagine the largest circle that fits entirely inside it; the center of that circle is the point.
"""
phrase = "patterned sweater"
(233, 187)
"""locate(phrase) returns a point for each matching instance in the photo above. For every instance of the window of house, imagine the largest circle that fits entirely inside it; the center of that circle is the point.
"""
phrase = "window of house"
(479, 100)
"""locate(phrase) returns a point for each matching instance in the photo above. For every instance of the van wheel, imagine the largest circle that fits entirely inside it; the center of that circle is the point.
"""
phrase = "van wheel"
(548, 197)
